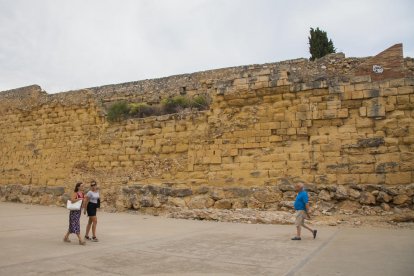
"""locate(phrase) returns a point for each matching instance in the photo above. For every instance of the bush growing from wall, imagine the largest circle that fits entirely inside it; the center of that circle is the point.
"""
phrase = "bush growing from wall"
(200, 102)
(141, 110)
(118, 111)
(123, 110)
(175, 104)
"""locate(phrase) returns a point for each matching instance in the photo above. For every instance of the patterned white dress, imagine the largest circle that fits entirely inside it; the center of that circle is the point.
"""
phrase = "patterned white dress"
(74, 217)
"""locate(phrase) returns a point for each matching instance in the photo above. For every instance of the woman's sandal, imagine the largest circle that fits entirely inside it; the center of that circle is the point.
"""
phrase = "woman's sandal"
(87, 238)
(82, 242)
(66, 240)
(94, 239)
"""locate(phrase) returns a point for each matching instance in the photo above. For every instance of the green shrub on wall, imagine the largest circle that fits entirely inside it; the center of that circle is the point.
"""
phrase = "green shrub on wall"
(200, 102)
(141, 110)
(118, 111)
(175, 104)
(122, 110)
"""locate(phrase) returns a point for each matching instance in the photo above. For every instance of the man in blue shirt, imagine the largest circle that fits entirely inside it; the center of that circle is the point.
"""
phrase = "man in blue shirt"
(302, 211)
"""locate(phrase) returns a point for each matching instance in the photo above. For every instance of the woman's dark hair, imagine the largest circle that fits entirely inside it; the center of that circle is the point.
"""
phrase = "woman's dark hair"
(77, 187)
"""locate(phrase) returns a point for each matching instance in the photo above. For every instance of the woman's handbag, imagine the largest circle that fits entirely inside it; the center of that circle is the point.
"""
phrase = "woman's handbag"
(98, 204)
(74, 206)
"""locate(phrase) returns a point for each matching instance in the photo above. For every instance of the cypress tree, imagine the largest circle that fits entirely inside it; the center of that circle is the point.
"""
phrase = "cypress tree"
(319, 45)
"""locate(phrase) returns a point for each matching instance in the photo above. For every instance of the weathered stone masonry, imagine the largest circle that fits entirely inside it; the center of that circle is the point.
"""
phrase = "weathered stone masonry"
(333, 122)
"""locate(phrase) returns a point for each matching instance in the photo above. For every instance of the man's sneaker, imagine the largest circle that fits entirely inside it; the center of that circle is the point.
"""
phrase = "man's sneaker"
(314, 233)
(296, 239)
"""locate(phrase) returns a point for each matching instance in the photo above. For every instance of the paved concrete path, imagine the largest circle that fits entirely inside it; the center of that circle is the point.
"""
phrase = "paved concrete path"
(31, 244)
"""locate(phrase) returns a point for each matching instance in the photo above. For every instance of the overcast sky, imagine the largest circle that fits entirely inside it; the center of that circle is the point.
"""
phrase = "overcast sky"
(70, 44)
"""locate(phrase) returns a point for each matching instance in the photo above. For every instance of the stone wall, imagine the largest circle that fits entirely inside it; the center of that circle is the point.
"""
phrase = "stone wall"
(333, 123)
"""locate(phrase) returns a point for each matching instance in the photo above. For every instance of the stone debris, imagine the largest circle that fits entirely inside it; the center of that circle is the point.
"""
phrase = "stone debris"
(247, 205)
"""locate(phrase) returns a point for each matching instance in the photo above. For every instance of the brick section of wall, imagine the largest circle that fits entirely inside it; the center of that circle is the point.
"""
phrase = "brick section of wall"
(391, 61)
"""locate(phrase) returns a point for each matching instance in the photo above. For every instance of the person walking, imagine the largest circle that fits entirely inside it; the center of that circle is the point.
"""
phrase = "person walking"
(91, 203)
(302, 211)
(74, 216)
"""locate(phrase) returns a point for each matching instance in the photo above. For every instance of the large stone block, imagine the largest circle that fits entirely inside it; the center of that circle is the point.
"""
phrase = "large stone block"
(357, 95)
(177, 202)
(253, 203)
(56, 191)
(200, 202)
(376, 108)
(324, 195)
(362, 168)
(349, 206)
(239, 81)
(367, 198)
(343, 113)
(371, 93)
(370, 178)
(348, 179)
(223, 204)
(383, 197)
(267, 196)
(181, 147)
(299, 156)
(354, 194)
(180, 192)
(347, 129)
(398, 178)
(364, 122)
(401, 199)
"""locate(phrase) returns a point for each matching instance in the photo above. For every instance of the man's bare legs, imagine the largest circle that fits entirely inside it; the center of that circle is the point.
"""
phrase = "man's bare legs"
(298, 229)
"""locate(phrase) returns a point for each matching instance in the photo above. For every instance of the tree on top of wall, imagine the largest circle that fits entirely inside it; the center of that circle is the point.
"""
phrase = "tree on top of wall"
(319, 45)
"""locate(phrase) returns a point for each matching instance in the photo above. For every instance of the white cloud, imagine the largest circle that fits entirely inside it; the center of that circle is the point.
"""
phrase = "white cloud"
(71, 44)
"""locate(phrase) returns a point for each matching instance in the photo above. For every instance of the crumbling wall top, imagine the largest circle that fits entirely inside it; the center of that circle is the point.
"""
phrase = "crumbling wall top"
(388, 64)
